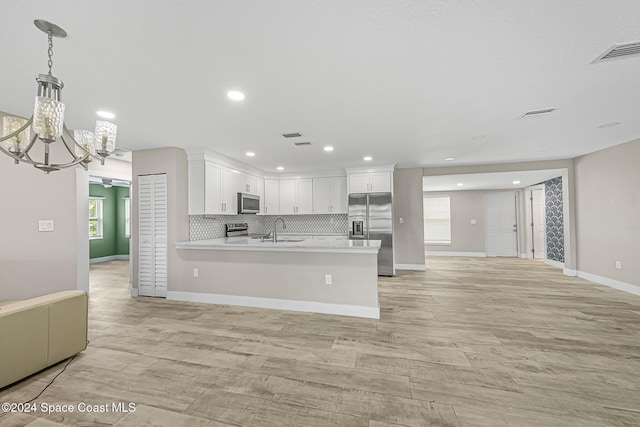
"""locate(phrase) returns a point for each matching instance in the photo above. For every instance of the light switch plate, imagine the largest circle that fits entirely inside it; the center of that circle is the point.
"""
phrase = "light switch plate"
(473, 222)
(45, 225)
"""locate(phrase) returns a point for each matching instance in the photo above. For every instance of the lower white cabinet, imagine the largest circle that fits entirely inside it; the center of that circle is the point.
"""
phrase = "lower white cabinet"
(152, 235)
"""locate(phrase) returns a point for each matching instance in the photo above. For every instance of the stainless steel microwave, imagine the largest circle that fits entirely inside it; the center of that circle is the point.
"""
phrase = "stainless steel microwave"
(248, 203)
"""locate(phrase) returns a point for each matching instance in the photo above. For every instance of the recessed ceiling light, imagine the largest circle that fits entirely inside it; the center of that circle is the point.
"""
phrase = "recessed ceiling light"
(516, 182)
(368, 158)
(235, 95)
(448, 159)
(459, 184)
(250, 153)
(328, 148)
(106, 114)
(609, 125)
(280, 168)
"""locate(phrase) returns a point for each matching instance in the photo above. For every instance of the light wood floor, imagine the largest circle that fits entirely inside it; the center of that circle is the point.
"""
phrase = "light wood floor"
(470, 342)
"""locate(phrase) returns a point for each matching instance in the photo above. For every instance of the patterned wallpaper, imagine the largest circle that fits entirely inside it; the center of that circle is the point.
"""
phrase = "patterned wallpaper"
(554, 219)
(203, 227)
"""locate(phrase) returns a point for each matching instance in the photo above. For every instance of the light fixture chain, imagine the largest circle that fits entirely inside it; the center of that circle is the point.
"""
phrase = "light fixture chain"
(50, 51)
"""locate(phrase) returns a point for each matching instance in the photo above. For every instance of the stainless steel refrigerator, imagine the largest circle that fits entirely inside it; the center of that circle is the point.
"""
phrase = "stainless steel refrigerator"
(371, 218)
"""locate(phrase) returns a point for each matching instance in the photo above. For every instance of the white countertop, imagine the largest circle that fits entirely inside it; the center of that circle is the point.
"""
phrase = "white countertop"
(244, 243)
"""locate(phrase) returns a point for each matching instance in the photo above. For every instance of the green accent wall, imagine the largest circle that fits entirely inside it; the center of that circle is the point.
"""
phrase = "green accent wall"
(114, 241)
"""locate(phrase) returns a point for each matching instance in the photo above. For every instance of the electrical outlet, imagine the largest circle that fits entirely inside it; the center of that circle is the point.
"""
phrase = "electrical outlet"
(327, 279)
(195, 272)
(45, 225)
(474, 222)
(619, 265)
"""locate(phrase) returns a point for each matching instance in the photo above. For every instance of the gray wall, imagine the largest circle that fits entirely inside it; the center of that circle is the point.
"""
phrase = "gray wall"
(465, 237)
(35, 263)
(407, 204)
(173, 162)
(608, 212)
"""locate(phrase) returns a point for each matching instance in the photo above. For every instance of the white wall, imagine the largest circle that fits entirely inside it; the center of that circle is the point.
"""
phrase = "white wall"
(35, 263)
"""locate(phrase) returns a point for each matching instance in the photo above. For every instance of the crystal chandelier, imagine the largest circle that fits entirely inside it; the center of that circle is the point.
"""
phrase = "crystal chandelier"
(19, 135)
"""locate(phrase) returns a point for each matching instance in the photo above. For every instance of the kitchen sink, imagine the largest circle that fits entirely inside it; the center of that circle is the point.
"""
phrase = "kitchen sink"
(290, 240)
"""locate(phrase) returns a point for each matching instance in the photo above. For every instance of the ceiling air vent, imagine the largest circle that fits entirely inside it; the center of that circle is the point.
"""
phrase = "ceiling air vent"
(301, 144)
(621, 50)
(292, 135)
(537, 113)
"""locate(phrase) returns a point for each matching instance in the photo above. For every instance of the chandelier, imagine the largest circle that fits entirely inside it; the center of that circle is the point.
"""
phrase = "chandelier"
(19, 135)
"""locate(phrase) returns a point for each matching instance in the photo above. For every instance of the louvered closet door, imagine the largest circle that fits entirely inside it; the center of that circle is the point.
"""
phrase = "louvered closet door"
(152, 224)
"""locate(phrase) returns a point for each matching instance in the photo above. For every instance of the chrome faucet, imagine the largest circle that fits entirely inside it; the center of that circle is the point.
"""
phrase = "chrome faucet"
(275, 228)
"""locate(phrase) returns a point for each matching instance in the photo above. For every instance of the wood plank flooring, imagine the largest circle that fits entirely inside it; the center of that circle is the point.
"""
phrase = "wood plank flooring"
(470, 342)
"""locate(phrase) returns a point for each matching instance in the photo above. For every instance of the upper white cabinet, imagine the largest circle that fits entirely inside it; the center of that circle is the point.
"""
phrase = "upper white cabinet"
(247, 183)
(370, 182)
(271, 197)
(214, 187)
(296, 196)
(330, 195)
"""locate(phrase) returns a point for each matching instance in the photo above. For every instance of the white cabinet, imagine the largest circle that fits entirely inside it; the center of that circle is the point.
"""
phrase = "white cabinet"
(370, 182)
(271, 197)
(247, 183)
(212, 189)
(296, 196)
(152, 235)
(260, 193)
(330, 195)
(229, 191)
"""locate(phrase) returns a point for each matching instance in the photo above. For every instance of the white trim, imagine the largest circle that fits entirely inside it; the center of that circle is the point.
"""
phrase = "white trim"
(418, 267)
(524, 256)
(108, 258)
(134, 292)
(569, 272)
(554, 263)
(382, 168)
(466, 254)
(278, 304)
(612, 283)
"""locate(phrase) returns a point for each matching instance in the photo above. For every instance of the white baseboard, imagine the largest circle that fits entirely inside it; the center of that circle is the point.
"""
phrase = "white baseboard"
(622, 286)
(553, 263)
(134, 292)
(418, 267)
(278, 304)
(524, 256)
(569, 272)
(465, 254)
(108, 258)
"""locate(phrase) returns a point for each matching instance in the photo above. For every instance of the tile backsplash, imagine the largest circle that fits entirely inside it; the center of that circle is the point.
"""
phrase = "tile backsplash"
(202, 227)
(309, 224)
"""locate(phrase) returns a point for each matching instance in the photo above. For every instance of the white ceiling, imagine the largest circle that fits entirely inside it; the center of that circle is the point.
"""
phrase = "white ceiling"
(488, 181)
(407, 82)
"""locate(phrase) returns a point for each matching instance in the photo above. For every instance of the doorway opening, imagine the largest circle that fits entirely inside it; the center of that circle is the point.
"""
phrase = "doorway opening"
(109, 224)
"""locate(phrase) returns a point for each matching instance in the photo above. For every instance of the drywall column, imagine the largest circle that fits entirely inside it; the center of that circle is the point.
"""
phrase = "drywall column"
(173, 162)
(407, 204)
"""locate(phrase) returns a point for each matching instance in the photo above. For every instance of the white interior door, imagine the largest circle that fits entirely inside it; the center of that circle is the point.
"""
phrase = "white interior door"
(152, 235)
(538, 221)
(501, 224)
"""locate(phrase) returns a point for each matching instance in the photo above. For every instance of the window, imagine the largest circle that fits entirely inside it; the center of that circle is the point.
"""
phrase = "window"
(127, 217)
(437, 220)
(95, 218)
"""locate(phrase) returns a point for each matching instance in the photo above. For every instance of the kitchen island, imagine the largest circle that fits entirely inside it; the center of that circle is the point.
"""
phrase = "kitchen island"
(315, 275)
